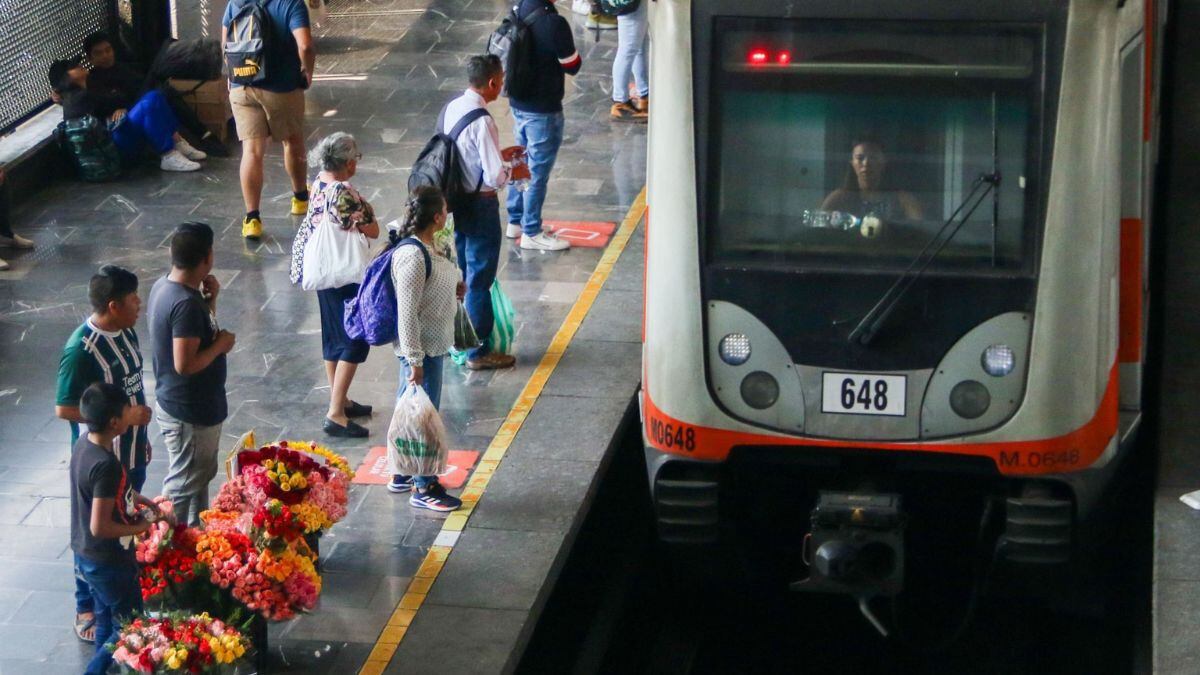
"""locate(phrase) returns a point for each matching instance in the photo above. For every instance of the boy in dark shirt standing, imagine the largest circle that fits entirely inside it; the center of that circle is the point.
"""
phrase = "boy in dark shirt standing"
(539, 121)
(105, 516)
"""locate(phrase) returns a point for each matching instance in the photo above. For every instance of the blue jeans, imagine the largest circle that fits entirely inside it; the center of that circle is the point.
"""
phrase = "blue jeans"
(477, 238)
(542, 135)
(432, 381)
(117, 596)
(151, 121)
(633, 50)
(83, 591)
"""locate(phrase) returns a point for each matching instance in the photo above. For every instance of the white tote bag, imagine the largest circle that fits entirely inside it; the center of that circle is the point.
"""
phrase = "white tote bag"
(334, 257)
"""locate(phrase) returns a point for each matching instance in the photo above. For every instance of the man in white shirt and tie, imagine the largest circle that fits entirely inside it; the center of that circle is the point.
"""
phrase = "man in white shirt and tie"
(485, 170)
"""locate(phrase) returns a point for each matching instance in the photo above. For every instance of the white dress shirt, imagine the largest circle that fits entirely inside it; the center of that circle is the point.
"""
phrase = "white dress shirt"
(478, 145)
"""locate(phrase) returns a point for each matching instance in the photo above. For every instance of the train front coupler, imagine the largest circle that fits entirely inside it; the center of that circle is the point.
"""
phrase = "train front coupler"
(855, 547)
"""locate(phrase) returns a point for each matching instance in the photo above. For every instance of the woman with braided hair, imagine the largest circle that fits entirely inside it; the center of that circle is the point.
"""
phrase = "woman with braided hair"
(428, 287)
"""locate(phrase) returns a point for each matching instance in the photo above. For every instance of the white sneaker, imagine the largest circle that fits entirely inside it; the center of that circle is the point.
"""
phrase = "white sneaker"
(3, 265)
(513, 230)
(16, 241)
(544, 241)
(190, 152)
(175, 161)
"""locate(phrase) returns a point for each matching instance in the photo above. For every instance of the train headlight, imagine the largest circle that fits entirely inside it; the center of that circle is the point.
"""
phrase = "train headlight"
(734, 349)
(969, 399)
(998, 360)
(760, 390)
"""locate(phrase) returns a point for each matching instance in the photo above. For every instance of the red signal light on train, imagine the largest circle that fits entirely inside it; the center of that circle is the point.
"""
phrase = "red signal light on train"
(757, 56)
(783, 58)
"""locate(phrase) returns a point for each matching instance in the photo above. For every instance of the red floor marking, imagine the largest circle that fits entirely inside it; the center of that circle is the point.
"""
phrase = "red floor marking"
(374, 469)
(582, 234)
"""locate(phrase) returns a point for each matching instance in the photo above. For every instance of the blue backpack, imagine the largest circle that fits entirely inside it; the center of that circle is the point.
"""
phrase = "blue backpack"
(371, 313)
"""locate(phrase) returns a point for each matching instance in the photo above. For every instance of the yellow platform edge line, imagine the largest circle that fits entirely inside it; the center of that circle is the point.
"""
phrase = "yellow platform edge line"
(406, 610)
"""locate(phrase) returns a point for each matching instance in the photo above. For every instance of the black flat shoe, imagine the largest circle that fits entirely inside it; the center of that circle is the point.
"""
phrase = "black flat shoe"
(351, 430)
(358, 410)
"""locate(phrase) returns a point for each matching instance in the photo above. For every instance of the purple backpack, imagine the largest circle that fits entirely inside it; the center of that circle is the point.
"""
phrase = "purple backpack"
(371, 313)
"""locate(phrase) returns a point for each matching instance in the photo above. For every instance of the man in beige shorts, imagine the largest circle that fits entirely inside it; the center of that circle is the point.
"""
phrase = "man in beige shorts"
(274, 106)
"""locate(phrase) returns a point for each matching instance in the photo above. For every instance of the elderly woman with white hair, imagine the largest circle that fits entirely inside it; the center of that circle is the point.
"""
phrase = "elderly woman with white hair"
(333, 199)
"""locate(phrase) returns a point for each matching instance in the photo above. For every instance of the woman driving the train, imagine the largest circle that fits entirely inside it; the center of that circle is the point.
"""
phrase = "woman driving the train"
(865, 190)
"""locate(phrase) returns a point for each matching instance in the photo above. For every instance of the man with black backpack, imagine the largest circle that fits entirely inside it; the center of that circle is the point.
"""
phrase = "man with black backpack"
(270, 56)
(542, 51)
(483, 170)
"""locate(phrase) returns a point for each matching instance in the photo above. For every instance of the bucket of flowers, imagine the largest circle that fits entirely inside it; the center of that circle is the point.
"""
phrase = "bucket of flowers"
(267, 567)
(180, 643)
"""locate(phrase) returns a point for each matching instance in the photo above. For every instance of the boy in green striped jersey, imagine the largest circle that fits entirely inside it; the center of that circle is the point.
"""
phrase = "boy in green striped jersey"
(105, 349)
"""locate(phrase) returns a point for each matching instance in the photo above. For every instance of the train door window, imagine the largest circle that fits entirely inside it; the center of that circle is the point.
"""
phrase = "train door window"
(1132, 68)
(847, 146)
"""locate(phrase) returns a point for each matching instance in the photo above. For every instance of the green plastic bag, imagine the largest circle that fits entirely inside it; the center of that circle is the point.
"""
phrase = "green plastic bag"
(503, 327)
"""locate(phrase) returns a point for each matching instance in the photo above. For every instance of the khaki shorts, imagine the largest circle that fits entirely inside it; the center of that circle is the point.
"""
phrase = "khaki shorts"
(259, 113)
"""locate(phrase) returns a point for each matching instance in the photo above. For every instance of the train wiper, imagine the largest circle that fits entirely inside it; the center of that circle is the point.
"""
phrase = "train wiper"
(868, 328)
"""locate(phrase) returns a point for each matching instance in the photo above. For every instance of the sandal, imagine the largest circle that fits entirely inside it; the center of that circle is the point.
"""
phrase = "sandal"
(85, 629)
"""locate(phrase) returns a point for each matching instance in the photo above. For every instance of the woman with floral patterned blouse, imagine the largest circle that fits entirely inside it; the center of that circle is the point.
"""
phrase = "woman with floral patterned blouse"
(334, 198)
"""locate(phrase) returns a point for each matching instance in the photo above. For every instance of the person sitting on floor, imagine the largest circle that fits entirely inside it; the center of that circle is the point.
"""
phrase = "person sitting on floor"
(149, 120)
(115, 85)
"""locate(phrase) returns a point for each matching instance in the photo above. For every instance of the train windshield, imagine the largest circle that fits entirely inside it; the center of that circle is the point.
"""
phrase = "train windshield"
(848, 146)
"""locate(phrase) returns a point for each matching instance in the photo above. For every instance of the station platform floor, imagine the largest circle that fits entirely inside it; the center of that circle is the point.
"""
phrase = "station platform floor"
(402, 590)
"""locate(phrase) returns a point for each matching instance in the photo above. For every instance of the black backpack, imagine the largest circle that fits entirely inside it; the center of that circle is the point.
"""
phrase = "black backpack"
(439, 164)
(247, 42)
(513, 43)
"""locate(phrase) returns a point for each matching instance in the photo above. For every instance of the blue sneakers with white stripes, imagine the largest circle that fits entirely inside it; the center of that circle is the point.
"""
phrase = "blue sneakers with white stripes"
(434, 498)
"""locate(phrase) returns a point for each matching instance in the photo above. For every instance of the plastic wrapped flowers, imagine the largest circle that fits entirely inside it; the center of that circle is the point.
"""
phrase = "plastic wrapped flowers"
(309, 479)
(178, 643)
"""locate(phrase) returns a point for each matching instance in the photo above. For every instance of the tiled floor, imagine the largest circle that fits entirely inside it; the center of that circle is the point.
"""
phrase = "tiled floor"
(385, 67)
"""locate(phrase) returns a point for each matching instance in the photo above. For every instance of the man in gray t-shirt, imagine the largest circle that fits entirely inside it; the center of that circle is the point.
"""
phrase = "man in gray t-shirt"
(189, 369)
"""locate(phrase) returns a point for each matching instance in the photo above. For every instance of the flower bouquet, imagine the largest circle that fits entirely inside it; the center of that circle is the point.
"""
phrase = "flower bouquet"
(179, 643)
(166, 554)
(261, 559)
(310, 480)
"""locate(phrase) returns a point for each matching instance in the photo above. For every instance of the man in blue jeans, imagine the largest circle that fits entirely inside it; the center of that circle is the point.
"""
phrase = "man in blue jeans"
(485, 170)
(539, 121)
(105, 349)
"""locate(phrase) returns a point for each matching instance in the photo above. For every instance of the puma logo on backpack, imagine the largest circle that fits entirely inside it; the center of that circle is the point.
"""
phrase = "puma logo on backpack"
(247, 41)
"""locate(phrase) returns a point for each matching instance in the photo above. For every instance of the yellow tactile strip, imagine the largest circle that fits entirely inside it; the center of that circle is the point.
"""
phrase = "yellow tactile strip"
(389, 640)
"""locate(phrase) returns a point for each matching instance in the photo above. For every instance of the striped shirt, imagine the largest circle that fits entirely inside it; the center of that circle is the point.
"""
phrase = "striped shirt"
(95, 355)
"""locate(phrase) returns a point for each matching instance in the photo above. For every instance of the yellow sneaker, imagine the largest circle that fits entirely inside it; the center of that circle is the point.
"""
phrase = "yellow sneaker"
(251, 228)
(299, 207)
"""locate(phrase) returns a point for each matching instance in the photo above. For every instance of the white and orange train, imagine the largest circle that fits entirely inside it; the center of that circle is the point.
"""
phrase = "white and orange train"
(896, 272)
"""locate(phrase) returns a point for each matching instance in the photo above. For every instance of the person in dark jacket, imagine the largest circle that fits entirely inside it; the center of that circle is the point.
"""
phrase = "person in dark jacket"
(539, 121)
(114, 86)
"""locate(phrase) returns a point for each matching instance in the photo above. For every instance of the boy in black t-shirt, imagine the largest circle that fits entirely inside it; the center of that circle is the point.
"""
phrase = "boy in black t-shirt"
(105, 516)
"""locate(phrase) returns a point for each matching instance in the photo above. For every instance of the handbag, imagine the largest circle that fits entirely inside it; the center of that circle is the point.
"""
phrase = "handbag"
(333, 257)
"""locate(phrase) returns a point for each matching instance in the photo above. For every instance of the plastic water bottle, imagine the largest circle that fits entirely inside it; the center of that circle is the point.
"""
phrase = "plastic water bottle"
(522, 184)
